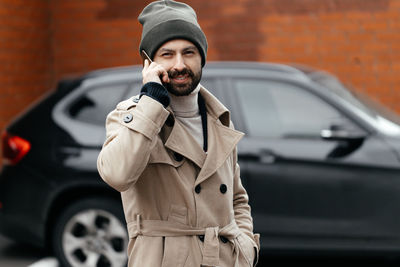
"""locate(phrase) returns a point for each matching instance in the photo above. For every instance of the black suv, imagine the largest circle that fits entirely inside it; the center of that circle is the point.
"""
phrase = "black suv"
(321, 165)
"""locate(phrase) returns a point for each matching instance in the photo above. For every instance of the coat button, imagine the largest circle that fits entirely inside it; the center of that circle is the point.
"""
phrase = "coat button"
(170, 121)
(128, 118)
(224, 239)
(197, 189)
(136, 99)
(223, 188)
(201, 237)
(178, 157)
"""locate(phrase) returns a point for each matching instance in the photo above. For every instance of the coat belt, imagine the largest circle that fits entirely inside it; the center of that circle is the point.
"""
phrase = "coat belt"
(161, 228)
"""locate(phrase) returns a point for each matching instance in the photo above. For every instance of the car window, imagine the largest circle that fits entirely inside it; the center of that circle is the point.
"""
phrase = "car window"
(282, 110)
(213, 85)
(95, 103)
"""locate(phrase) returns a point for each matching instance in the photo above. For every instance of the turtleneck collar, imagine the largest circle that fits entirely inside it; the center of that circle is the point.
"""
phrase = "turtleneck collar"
(186, 106)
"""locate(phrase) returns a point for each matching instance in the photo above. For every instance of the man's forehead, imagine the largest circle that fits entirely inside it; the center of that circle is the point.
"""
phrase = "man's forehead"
(177, 44)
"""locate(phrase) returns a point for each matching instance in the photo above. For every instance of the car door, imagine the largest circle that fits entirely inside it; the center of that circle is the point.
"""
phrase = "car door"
(303, 187)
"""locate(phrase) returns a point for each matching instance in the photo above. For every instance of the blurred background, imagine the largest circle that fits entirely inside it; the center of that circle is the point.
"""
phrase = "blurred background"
(42, 41)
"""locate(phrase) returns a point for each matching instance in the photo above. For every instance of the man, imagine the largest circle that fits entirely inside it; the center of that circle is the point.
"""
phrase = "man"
(171, 152)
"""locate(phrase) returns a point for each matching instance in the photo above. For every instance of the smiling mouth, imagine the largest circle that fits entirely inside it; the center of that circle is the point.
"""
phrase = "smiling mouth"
(181, 78)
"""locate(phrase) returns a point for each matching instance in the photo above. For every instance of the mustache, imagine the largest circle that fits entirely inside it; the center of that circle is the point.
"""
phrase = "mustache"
(175, 73)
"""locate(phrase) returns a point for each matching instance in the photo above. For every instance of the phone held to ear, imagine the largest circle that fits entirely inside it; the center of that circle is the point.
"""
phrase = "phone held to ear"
(146, 56)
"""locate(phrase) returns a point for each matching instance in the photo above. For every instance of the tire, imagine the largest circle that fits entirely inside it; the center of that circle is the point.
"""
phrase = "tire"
(91, 233)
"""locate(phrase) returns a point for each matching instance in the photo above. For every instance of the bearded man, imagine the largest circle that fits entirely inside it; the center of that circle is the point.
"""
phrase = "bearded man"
(171, 152)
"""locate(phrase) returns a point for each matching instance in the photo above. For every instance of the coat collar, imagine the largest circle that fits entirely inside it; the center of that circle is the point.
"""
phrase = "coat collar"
(222, 138)
(215, 108)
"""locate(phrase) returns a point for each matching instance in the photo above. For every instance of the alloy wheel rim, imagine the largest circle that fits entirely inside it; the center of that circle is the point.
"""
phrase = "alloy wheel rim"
(95, 238)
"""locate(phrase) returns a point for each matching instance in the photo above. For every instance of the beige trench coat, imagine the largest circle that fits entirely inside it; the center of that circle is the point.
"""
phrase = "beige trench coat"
(183, 207)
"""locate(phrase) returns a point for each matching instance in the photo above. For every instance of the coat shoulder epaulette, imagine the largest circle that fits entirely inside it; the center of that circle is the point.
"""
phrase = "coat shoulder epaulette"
(129, 103)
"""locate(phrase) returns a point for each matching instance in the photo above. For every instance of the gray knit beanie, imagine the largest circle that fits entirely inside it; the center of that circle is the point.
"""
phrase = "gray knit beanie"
(166, 20)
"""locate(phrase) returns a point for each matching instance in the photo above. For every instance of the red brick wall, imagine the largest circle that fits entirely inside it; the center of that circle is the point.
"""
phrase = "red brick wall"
(92, 34)
(358, 40)
(43, 40)
(25, 54)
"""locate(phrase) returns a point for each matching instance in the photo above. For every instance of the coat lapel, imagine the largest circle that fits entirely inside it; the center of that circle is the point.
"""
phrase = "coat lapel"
(221, 138)
(221, 142)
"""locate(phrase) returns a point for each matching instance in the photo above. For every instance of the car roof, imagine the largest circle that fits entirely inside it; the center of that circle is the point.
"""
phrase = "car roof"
(213, 65)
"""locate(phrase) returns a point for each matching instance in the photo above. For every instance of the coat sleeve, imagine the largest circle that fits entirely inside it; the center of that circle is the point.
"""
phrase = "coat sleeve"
(131, 132)
(242, 209)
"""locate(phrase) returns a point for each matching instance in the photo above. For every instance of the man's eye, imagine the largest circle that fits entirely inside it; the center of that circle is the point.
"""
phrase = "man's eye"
(165, 54)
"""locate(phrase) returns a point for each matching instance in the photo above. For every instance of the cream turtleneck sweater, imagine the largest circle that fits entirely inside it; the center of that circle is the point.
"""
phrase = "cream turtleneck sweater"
(186, 110)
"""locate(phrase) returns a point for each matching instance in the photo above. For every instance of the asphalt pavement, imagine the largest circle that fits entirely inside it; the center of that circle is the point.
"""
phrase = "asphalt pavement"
(17, 255)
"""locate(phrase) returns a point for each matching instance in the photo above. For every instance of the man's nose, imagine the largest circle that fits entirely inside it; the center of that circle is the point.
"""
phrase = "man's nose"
(179, 63)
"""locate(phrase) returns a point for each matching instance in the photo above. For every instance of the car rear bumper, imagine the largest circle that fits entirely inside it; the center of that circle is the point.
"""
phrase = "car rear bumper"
(21, 207)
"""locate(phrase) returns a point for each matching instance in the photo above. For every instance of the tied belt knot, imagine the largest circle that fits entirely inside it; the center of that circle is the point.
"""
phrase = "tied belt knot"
(159, 228)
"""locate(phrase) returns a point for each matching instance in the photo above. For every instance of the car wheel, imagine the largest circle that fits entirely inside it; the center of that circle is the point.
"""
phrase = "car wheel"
(91, 233)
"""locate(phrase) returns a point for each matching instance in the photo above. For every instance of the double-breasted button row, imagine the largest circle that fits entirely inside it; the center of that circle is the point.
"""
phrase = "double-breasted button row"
(128, 118)
(223, 188)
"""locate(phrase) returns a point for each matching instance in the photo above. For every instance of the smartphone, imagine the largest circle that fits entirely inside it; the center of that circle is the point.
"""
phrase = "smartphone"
(146, 56)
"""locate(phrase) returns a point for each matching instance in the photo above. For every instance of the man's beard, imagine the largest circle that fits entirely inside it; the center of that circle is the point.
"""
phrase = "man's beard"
(183, 89)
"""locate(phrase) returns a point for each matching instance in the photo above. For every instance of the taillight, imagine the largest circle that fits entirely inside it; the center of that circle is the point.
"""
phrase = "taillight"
(14, 148)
